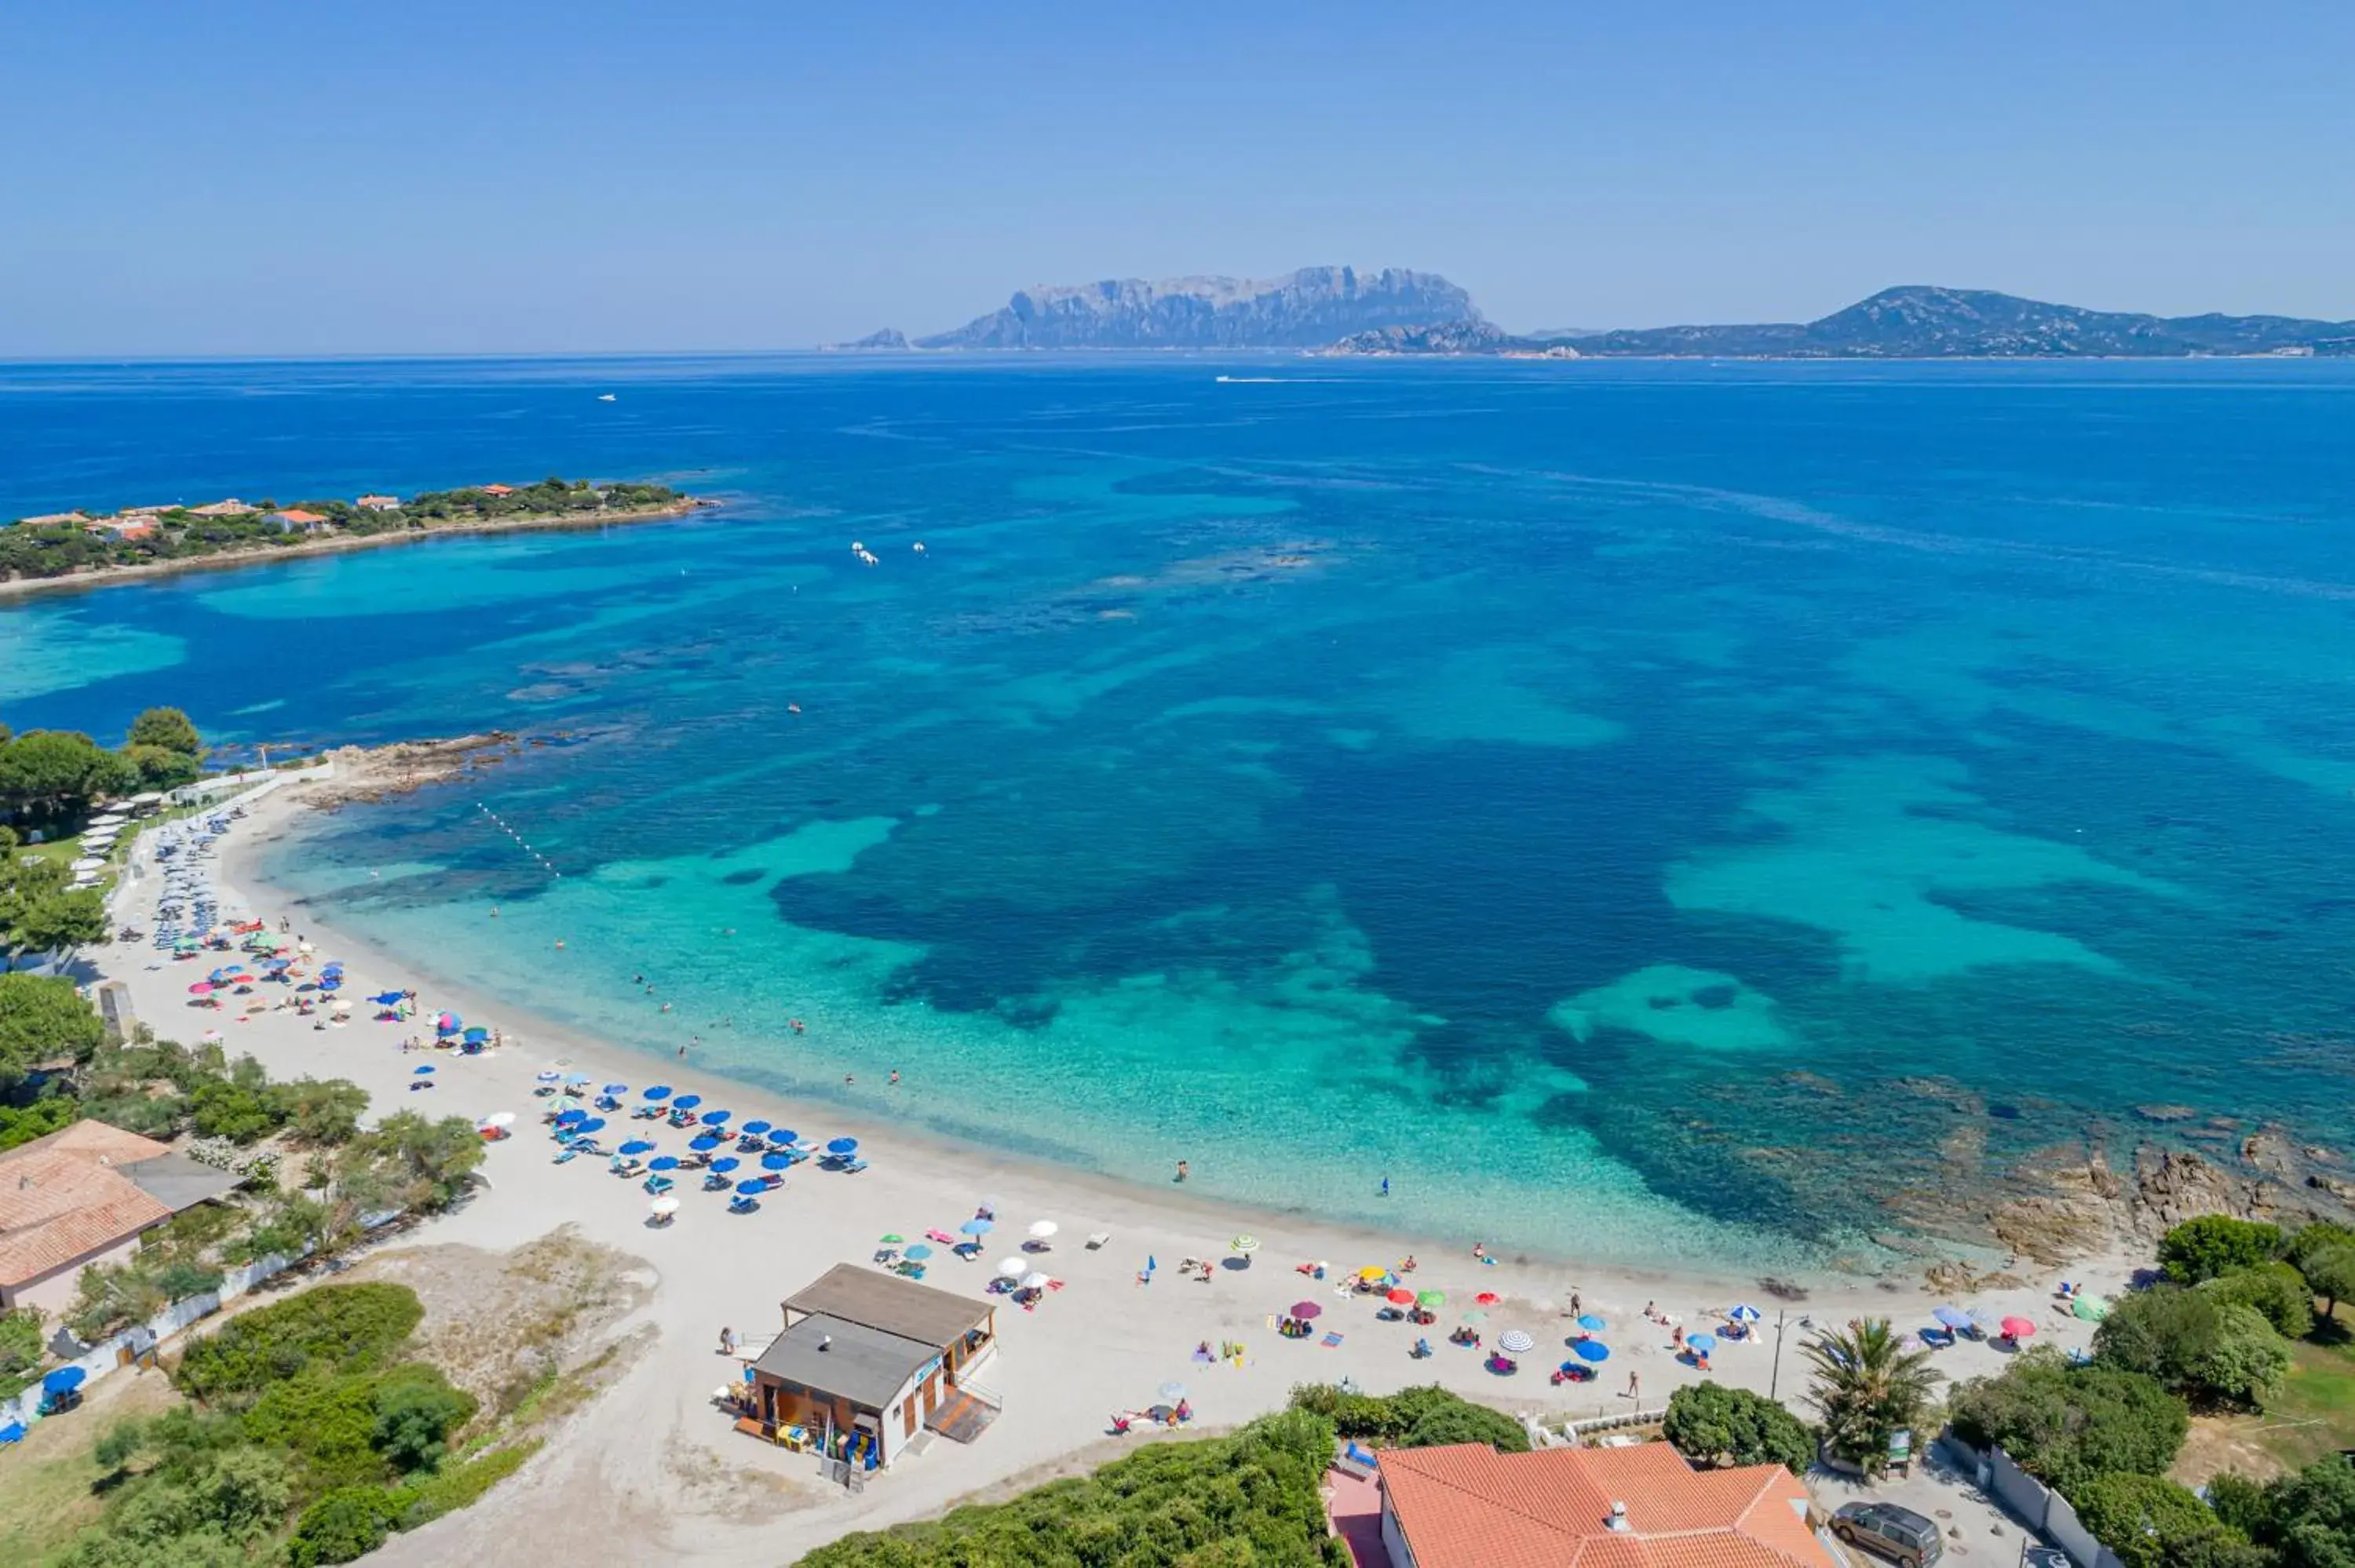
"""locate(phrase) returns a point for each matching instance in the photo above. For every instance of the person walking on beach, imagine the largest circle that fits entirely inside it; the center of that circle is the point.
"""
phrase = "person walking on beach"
(727, 1342)
(1635, 1389)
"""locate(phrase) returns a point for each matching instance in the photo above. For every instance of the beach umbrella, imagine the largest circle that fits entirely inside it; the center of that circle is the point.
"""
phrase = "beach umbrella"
(663, 1162)
(448, 1023)
(1514, 1343)
(1590, 1350)
(1011, 1269)
(572, 1078)
(890, 1238)
(784, 1135)
(1041, 1229)
(1037, 1280)
(750, 1187)
(754, 1128)
(499, 1119)
(1486, 1298)
(722, 1166)
(1476, 1317)
(2018, 1328)
(1743, 1313)
(1373, 1271)
(841, 1146)
(1700, 1344)
(566, 1117)
(687, 1102)
(1593, 1324)
(1173, 1392)
(1401, 1297)
(616, 1089)
(2092, 1309)
(917, 1253)
(654, 1092)
(776, 1162)
(977, 1226)
(705, 1144)
(1954, 1318)
(638, 1146)
(421, 1072)
(666, 1204)
(713, 1118)
(476, 1035)
(1245, 1244)
(394, 999)
(1430, 1299)
(595, 1124)
(1304, 1310)
(547, 1075)
(331, 983)
(202, 988)
(64, 1379)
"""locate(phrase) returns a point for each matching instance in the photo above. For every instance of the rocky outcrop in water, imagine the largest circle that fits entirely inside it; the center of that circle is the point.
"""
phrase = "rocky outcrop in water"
(1307, 309)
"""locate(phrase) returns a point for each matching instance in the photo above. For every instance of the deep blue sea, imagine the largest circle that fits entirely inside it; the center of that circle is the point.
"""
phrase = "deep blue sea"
(1684, 812)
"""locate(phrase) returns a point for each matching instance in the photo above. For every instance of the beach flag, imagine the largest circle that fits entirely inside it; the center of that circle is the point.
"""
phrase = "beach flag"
(1149, 1265)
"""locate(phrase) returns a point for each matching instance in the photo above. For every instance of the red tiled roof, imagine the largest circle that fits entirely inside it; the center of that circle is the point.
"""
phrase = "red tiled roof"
(296, 514)
(61, 1198)
(1467, 1505)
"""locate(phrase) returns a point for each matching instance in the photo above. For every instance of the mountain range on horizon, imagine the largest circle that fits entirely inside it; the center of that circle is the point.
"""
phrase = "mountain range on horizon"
(1397, 311)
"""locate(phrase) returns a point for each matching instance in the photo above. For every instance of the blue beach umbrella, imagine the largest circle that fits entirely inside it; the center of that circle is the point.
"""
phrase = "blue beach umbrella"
(713, 1118)
(420, 1072)
(1593, 1324)
(576, 1077)
(1590, 1350)
(725, 1164)
(687, 1102)
(977, 1227)
(64, 1379)
(394, 999)
(663, 1162)
(654, 1092)
(783, 1135)
(331, 983)
(547, 1075)
(1954, 1318)
(637, 1146)
(754, 1128)
(776, 1162)
(917, 1253)
(843, 1146)
(565, 1118)
(595, 1124)
(1744, 1313)
(1700, 1344)
(617, 1088)
(476, 1034)
(749, 1188)
(705, 1144)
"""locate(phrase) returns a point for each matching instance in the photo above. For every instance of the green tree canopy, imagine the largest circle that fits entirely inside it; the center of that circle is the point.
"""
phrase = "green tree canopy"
(2329, 1273)
(332, 1328)
(160, 767)
(43, 1018)
(1714, 1424)
(2207, 1349)
(169, 729)
(2217, 1244)
(39, 911)
(2277, 1291)
(47, 774)
(2067, 1424)
(1868, 1386)
(2149, 1521)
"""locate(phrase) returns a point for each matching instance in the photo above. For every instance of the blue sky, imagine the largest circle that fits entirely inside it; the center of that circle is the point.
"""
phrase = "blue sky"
(431, 178)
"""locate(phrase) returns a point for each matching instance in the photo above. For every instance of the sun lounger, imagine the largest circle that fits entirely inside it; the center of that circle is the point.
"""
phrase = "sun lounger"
(658, 1185)
(743, 1205)
(941, 1236)
(1098, 1240)
(852, 1166)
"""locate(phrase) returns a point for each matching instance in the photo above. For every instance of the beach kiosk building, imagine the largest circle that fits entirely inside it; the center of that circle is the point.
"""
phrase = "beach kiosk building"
(867, 1361)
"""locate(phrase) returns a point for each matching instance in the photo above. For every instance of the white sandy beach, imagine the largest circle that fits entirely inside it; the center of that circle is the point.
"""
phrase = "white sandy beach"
(653, 1471)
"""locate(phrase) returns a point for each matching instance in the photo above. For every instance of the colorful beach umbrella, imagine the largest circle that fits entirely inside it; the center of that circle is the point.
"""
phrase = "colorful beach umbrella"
(1486, 1298)
(1593, 1324)
(547, 1075)
(1743, 1313)
(1304, 1310)
(1401, 1297)
(421, 1072)
(1700, 1344)
(617, 1088)
(1590, 1350)
(1430, 1299)
(890, 1238)
(917, 1253)
(64, 1379)
(977, 1226)
(2092, 1309)
(394, 999)
(1476, 1316)
(2018, 1328)
(1514, 1343)
(1245, 1244)
(202, 988)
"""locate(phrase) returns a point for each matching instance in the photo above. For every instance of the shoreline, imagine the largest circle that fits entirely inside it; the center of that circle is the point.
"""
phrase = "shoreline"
(234, 560)
(635, 1468)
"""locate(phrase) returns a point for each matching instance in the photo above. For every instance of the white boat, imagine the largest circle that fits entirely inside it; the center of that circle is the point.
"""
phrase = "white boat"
(604, 396)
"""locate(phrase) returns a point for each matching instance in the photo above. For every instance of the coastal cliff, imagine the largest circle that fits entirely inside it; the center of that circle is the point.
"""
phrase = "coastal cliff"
(1307, 309)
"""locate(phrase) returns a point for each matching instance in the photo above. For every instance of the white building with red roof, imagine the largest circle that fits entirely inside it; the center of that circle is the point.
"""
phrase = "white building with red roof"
(83, 1195)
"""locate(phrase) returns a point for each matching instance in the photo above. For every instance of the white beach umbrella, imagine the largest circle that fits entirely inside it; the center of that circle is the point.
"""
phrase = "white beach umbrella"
(1041, 1229)
(499, 1119)
(1012, 1269)
(666, 1204)
(1513, 1342)
(1246, 1245)
(1036, 1280)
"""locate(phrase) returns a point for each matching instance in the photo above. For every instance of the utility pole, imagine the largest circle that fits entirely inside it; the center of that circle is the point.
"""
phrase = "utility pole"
(1775, 1378)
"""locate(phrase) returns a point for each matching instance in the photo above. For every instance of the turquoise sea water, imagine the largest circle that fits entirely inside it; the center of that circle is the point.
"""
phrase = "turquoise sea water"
(1702, 813)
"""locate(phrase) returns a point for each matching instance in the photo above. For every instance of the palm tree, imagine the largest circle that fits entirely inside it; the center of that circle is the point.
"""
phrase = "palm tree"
(1867, 1385)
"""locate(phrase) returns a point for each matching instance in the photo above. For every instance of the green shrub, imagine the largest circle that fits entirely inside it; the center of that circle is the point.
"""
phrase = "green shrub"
(455, 1487)
(342, 1526)
(1422, 1418)
(329, 1421)
(2280, 1294)
(2066, 1424)
(1714, 1424)
(416, 1411)
(334, 1328)
(2208, 1351)
(1221, 1502)
(2217, 1244)
(2329, 1273)
(2149, 1521)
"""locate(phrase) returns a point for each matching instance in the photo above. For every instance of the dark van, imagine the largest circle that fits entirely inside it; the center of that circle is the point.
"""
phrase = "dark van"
(1899, 1534)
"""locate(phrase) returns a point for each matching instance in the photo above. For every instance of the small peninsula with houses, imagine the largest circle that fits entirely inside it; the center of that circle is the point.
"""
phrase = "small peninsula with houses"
(84, 548)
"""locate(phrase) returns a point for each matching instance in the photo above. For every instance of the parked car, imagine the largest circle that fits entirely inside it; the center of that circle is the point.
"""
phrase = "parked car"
(1899, 1534)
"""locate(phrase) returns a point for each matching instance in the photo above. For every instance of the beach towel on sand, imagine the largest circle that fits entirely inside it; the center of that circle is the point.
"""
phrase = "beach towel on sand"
(1332, 1341)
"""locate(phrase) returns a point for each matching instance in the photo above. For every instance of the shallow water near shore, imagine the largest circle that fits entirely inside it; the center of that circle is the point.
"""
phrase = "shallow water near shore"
(1683, 813)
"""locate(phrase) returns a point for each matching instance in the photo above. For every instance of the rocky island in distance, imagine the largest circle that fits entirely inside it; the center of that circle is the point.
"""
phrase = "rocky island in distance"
(1397, 311)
